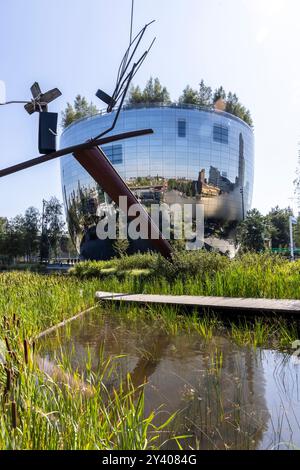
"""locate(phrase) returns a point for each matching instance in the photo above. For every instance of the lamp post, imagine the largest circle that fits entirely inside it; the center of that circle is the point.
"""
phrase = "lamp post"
(292, 221)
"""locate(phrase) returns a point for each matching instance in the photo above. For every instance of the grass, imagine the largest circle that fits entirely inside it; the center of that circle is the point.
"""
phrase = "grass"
(273, 333)
(197, 273)
(69, 411)
(46, 411)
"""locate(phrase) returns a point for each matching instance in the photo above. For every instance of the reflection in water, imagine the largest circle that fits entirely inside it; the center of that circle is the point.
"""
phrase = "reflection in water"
(227, 397)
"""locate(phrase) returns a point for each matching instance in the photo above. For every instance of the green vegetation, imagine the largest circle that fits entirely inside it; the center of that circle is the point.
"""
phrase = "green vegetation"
(80, 110)
(61, 409)
(154, 92)
(257, 230)
(275, 333)
(198, 273)
(278, 223)
(252, 232)
(30, 236)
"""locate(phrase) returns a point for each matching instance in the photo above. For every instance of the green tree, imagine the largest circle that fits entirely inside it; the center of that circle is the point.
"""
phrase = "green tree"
(278, 220)
(3, 226)
(153, 92)
(252, 231)
(54, 224)
(205, 95)
(219, 94)
(13, 243)
(189, 96)
(31, 229)
(120, 245)
(135, 95)
(80, 109)
(232, 102)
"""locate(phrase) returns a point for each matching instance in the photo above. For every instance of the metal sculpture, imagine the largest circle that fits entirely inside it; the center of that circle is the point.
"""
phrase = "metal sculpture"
(89, 154)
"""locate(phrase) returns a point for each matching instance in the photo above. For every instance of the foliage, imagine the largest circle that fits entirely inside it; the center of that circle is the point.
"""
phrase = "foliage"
(204, 94)
(31, 231)
(57, 408)
(278, 220)
(207, 98)
(198, 273)
(252, 231)
(66, 409)
(153, 92)
(79, 110)
(120, 246)
(22, 237)
(53, 224)
(189, 96)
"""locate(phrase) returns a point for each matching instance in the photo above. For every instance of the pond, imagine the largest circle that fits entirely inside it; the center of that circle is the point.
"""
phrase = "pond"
(225, 396)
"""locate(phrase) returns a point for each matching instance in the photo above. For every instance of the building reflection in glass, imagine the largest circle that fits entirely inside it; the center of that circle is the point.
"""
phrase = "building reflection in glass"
(194, 156)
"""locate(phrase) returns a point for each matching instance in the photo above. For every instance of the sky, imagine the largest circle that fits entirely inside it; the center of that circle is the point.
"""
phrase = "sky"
(251, 47)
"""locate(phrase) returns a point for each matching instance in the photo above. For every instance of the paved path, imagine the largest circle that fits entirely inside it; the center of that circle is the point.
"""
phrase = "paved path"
(214, 303)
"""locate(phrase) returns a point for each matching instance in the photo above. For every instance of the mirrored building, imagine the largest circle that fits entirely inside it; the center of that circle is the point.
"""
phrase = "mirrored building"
(195, 156)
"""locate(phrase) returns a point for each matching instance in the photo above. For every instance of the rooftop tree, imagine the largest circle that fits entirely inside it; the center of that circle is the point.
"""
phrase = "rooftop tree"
(189, 96)
(205, 94)
(79, 110)
(153, 92)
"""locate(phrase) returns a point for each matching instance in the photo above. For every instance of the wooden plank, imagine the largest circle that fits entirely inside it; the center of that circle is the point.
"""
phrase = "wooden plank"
(216, 303)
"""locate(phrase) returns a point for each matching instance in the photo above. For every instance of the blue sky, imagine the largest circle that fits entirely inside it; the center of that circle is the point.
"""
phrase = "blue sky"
(249, 46)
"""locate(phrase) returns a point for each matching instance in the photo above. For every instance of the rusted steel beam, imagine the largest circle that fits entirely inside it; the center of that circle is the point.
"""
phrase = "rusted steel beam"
(60, 153)
(95, 162)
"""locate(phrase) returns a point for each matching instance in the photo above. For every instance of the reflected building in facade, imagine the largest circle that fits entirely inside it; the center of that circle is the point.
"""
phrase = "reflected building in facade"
(195, 156)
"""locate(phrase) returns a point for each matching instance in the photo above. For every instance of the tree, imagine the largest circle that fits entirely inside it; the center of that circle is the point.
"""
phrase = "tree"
(31, 228)
(80, 110)
(189, 96)
(153, 92)
(252, 231)
(13, 242)
(205, 95)
(120, 247)
(279, 226)
(135, 95)
(54, 224)
(231, 103)
(219, 94)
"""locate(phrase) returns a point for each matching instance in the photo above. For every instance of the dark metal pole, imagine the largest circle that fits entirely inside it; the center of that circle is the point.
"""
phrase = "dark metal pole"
(66, 151)
(95, 162)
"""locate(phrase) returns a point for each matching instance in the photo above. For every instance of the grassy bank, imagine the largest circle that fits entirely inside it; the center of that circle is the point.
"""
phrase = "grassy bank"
(66, 410)
(59, 410)
(197, 273)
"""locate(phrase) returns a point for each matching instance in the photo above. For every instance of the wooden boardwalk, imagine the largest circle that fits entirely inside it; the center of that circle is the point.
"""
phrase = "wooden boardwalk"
(213, 303)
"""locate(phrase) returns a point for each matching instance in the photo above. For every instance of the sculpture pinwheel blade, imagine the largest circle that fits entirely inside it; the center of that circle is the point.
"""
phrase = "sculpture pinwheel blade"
(41, 100)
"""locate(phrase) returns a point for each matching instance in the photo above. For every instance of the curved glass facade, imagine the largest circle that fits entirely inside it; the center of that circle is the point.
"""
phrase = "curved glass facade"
(194, 156)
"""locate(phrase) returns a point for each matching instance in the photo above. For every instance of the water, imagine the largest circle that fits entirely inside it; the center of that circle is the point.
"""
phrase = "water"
(227, 397)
